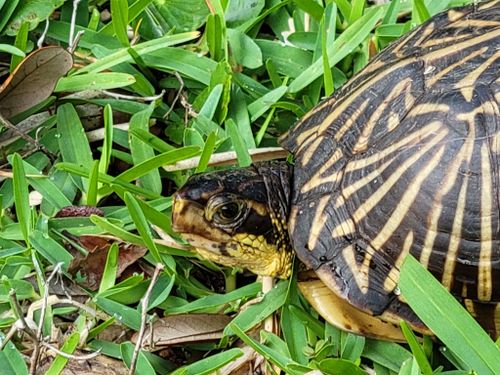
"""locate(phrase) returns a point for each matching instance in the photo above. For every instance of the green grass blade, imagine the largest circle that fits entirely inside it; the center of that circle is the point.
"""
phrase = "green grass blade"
(141, 152)
(119, 14)
(442, 313)
(142, 225)
(60, 362)
(416, 349)
(244, 159)
(211, 364)
(343, 45)
(208, 149)
(21, 197)
(94, 81)
(122, 55)
(110, 268)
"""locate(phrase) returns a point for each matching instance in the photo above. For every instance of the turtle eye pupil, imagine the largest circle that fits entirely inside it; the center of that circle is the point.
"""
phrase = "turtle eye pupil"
(229, 211)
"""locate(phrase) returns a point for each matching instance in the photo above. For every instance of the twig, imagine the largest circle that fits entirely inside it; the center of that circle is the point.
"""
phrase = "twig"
(71, 356)
(144, 315)
(134, 97)
(26, 137)
(229, 158)
(39, 333)
(167, 240)
(55, 300)
(177, 95)
(78, 36)
(40, 40)
(17, 308)
(71, 41)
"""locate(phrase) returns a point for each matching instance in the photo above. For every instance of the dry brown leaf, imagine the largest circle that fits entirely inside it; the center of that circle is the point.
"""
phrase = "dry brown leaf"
(92, 265)
(186, 328)
(100, 365)
(34, 79)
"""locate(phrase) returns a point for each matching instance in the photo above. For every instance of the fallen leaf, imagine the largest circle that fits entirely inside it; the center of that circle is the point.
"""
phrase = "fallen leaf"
(92, 265)
(100, 365)
(186, 328)
(34, 79)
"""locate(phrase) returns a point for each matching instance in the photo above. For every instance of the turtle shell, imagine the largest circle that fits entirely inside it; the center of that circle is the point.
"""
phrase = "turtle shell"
(405, 158)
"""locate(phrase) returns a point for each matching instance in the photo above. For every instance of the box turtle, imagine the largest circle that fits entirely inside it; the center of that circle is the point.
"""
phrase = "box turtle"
(404, 158)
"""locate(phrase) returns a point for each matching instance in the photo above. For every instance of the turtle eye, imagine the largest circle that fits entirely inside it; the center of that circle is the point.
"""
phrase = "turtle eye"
(229, 211)
(225, 210)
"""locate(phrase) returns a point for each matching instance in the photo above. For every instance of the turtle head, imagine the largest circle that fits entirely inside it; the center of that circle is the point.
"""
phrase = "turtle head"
(238, 217)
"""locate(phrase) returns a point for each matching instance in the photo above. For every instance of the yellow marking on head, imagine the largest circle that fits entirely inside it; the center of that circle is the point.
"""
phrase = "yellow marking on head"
(484, 282)
(263, 258)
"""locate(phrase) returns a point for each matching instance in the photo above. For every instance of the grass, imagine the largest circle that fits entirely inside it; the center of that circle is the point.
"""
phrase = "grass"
(198, 78)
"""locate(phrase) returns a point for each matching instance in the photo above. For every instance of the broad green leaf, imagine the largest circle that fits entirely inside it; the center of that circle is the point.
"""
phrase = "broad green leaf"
(11, 360)
(244, 49)
(261, 105)
(123, 314)
(7, 48)
(217, 300)
(31, 11)
(387, 354)
(94, 81)
(142, 225)
(142, 366)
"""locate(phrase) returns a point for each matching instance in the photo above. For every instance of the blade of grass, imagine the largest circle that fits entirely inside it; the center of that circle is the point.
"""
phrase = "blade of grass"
(343, 45)
(119, 15)
(416, 349)
(110, 268)
(442, 313)
(21, 197)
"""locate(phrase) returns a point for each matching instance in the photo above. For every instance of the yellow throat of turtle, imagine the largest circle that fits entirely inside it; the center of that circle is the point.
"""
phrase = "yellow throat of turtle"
(230, 218)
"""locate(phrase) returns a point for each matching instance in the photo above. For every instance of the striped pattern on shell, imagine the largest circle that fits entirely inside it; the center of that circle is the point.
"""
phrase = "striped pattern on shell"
(405, 158)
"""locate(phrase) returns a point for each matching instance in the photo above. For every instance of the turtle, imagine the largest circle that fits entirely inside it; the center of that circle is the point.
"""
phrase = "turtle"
(403, 159)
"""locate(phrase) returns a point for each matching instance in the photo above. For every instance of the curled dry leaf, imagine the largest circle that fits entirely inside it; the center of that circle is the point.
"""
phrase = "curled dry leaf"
(186, 328)
(92, 265)
(100, 365)
(34, 79)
